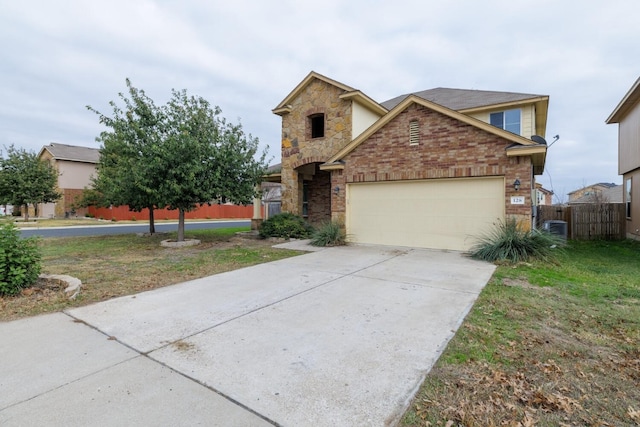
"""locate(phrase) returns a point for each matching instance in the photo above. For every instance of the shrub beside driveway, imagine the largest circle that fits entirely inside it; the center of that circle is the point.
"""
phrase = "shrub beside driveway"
(545, 344)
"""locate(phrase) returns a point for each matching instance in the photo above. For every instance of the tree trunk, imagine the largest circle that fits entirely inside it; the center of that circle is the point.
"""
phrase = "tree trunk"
(180, 225)
(152, 223)
(26, 213)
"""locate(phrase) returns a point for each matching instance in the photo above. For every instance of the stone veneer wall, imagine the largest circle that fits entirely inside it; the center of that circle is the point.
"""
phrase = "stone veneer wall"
(448, 148)
(298, 148)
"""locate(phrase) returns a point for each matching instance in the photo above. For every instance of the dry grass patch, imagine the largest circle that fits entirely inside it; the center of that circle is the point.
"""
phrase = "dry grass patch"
(545, 345)
(113, 266)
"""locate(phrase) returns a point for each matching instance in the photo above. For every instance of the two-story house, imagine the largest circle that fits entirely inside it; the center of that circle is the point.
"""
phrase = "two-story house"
(627, 115)
(431, 169)
(75, 165)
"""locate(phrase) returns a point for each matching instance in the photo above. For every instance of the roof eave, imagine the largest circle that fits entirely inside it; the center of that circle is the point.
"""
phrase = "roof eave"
(538, 154)
(365, 101)
(303, 84)
(628, 101)
(272, 177)
(508, 104)
(332, 166)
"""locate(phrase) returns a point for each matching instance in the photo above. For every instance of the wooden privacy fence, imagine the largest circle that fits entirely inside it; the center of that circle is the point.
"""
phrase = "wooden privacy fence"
(587, 221)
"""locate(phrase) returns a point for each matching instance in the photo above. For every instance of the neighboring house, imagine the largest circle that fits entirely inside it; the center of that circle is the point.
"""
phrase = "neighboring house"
(627, 115)
(543, 196)
(434, 169)
(597, 193)
(592, 191)
(76, 165)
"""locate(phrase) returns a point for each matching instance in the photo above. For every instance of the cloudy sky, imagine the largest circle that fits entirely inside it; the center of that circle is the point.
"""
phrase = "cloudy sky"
(245, 56)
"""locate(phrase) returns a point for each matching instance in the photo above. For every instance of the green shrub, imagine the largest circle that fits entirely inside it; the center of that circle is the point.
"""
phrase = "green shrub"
(285, 225)
(20, 260)
(330, 233)
(508, 242)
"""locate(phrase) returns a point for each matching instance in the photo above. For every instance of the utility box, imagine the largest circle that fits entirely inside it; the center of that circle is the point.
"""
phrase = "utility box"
(557, 227)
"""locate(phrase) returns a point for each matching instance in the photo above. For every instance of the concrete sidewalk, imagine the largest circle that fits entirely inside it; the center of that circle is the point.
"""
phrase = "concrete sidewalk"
(338, 337)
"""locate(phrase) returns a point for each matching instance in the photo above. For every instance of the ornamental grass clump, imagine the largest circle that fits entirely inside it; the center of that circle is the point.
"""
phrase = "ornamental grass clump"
(509, 242)
(329, 233)
(20, 260)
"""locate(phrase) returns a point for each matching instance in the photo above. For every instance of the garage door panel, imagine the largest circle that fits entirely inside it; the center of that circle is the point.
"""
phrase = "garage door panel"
(443, 214)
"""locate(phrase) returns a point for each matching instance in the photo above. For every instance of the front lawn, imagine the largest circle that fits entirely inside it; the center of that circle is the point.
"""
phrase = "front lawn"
(113, 266)
(545, 345)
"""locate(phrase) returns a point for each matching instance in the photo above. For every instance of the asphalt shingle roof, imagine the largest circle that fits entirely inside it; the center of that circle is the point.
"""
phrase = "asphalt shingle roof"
(462, 99)
(73, 153)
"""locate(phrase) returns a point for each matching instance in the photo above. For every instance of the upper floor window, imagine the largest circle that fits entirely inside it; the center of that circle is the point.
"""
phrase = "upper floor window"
(508, 120)
(317, 125)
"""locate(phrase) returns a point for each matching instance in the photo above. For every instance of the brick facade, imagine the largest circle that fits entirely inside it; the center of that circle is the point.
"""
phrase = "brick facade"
(447, 148)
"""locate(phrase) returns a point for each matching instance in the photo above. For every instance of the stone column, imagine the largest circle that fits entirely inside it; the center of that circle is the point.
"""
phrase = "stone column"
(257, 210)
(290, 189)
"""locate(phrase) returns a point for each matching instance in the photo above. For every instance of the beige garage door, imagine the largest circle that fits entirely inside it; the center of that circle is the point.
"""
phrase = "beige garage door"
(439, 214)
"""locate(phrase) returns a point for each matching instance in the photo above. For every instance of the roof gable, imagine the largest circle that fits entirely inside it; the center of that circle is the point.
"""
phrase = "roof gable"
(283, 108)
(72, 153)
(516, 139)
(349, 94)
(631, 98)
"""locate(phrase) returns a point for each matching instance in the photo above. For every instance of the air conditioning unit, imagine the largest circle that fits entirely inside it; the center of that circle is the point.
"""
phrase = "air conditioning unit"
(557, 227)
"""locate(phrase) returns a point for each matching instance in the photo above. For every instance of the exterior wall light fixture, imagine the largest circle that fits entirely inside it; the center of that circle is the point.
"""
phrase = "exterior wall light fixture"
(336, 190)
(516, 184)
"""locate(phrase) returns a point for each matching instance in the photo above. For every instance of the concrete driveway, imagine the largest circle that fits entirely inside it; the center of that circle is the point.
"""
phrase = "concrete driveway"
(338, 337)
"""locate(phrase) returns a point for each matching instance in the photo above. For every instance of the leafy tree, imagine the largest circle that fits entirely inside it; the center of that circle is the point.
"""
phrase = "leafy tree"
(25, 179)
(204, 158)
(124, 171)
(178, 156)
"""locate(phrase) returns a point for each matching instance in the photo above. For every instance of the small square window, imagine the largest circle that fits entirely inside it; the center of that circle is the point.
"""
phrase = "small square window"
(317, 125)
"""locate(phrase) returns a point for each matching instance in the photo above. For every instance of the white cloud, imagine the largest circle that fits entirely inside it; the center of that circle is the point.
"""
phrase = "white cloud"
(246, 55)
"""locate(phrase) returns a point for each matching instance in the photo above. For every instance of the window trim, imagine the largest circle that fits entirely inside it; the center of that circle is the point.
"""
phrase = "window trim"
(504, 125)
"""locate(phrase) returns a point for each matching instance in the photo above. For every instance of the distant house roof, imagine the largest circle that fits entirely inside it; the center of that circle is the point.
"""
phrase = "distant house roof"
(539, 187)
(607, 194)
(72, 153)
(599, 185)
(464, 99)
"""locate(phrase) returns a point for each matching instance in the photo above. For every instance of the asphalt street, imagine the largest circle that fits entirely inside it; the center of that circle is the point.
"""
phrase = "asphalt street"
(103, 230)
